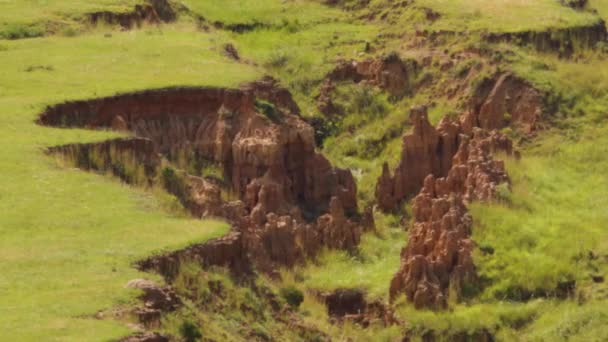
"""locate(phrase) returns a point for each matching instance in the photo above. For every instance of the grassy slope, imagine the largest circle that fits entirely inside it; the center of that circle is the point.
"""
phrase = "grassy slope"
(270, 12)
(300, 42)
(67, 238)
(23, 18)
(370, 269)
(507, 15)
(136, 60)
(601, 6)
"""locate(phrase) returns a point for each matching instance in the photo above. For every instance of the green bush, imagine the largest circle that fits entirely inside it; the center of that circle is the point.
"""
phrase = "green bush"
(20, 31)
(190, 332)
(268, 109)
(293, 296)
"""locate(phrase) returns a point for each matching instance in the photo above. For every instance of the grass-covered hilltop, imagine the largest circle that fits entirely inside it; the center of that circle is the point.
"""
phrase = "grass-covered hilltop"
(304, 170)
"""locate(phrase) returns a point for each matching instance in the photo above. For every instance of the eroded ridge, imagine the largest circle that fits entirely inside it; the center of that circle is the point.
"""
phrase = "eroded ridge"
(288, 199)
(437, 261)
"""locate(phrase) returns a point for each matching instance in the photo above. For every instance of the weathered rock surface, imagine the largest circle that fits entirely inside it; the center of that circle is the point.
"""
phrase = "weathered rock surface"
(438, 254)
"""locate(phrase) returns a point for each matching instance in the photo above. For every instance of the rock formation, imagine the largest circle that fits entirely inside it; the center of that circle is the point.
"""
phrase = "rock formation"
(224, 126)
(426, 150)
(430, 151)
(288, 199)
(438, 254)
(438, 258)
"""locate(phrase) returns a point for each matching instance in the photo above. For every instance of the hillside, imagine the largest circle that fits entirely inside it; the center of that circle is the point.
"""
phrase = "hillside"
(304, 170)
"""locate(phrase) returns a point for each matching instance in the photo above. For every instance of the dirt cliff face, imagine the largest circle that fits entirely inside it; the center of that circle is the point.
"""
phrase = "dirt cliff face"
(289, 202)
(134, 160)
(151, 12)
(507, 101)
(224, 126)
(563, 41)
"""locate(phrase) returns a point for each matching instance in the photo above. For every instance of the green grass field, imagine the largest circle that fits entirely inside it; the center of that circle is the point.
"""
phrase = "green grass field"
(30, 18)
(268, 12)
(68, 238)
(370, 269)
(477, 16)
(505, 15)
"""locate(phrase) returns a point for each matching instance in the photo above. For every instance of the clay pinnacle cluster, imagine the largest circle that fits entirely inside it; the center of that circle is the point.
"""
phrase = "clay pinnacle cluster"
(429, 150)
(438, 256)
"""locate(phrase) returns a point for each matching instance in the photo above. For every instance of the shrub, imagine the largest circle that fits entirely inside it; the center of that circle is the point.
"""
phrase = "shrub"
(20, 31)
(503, 192)
(291, 26)
(190, 332)
(277, 59)
(293, 296)
(268, 109)
(324, 128)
